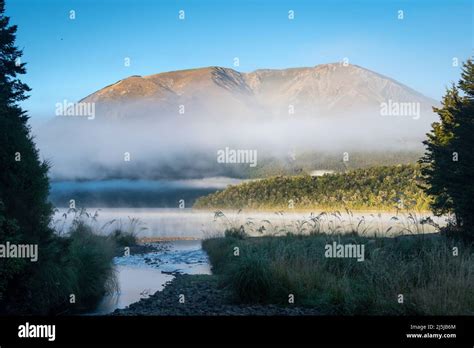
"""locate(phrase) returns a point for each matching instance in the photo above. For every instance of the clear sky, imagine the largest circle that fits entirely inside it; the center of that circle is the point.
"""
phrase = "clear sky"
(71, 58)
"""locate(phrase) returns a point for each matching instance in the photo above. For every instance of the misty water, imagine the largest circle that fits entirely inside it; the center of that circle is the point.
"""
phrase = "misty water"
(182, 229)
(135, 193)
(171, 223)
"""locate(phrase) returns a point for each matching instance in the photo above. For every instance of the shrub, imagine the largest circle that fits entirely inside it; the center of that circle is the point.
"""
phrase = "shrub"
(124, 238)
(237, 233)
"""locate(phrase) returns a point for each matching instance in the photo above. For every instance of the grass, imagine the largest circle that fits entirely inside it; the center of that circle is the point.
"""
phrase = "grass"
(420, 267)
(330, 222)
(91, 256)
(124, 238)
(76, 275)
(79, 269)
(122, 234)
(125, 234)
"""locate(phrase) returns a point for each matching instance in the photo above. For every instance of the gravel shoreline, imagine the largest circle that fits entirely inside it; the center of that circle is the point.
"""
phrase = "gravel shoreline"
(202, 297)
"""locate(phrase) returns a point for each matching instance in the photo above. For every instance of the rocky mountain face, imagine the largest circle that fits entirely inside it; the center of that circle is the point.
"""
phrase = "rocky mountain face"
(216, 93)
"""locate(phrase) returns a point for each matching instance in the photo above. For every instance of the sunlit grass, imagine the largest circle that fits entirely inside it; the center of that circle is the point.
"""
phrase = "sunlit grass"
(433, 273)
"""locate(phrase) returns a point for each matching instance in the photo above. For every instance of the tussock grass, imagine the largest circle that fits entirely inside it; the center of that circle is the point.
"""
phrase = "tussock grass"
(124, 238)
(420, 267)
(91, 256)
(330, 222)
(79, 263)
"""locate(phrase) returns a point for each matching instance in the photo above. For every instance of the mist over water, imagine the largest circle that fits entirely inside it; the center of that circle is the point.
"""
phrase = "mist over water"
(135, 193)
(177, 147)
(199, 224)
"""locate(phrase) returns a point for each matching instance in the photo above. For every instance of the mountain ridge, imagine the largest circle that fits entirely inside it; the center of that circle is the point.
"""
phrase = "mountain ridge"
(326, 109)
(319, 90)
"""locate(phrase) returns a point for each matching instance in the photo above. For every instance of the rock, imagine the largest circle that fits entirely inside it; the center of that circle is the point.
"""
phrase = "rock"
(202, 298)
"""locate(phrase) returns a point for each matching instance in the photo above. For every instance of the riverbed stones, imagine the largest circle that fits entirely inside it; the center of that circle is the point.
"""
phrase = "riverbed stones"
(203, 298)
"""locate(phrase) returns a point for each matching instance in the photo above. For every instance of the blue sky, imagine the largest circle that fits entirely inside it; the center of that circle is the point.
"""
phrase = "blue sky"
(69, 59)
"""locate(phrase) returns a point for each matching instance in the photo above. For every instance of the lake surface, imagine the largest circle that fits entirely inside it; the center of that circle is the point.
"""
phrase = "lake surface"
(135, 193)
(198, 224)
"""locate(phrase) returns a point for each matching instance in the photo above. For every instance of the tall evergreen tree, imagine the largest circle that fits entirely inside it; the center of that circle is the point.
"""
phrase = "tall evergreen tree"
(449, 156)
(462, 188)
(24, 186)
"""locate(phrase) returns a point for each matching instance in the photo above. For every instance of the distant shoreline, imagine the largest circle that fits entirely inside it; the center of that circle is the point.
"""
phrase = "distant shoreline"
(311, 210)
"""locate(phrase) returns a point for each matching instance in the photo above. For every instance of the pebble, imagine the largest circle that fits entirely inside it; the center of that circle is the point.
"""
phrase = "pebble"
(202, 297)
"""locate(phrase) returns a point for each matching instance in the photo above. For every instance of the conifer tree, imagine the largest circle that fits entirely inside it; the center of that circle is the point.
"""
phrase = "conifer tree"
(24, 186)
(449, 156)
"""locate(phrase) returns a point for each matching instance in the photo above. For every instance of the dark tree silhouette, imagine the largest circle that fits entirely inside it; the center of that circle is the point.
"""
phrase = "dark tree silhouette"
(449, 156)
(24, 210)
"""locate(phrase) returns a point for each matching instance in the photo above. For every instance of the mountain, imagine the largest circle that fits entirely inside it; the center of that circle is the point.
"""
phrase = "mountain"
(205, 91)
(213, 92)
(337, 123)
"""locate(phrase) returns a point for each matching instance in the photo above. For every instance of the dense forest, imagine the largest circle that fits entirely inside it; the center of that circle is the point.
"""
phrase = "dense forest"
(299, 162)
(382, 187)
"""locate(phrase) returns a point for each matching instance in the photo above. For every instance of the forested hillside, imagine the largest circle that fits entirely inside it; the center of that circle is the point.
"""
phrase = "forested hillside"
(386, 187)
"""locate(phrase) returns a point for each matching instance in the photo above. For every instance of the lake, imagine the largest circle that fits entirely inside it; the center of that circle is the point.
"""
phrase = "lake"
(175, 223)
(149, 208)
(135, 193)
